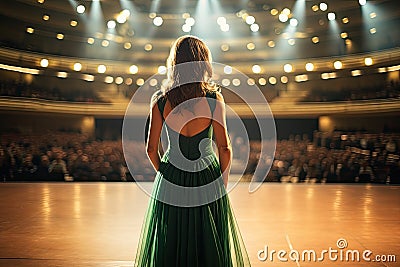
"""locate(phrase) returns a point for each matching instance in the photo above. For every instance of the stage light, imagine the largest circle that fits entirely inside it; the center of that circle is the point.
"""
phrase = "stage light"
(127, 45)
(152, 15)
(224, 47)
(60, 36)
(315, 8)
(226, 82)
(90, 40)
(251, 81)
(187, 28)
(272, 80)
(123, 16)
(109, 79)
(162, 70)
(345, 20)
(46, 17)
(262, 81)
(236, 82)
(287, 68)
(111, 24)
(80, 9)
(284, 79)
(286, 11)
(62, 74)
(294, 22)
(251, 46)
(372, 30)
(355, 73)
(323, 6)
(283, 17)
(368, 61)
(337, 64)
(250, 20)
(331, 16)
(362, 2)
(88, 77)
(105, 43)
(227, 69)
(256, 68)
(44, 63)
(315, 39)
(372, 15)
(139, 82)
(30, 30)
(77, 66)
(291, 41)
(225, 27)
(274, 12)
(221, 21)
(126, 13)
(73, 23)
(101, 69)
(309, 66)
(271, 44)
(190, 21)
(133, 69)
(254, 27)
(158, 21)
(128, 81)
(148, 47)
(153, 82)
(119, 80)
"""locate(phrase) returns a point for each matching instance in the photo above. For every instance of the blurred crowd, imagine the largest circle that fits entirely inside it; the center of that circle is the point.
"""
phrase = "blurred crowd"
(331, 157)
(326, 157)
(22, 89)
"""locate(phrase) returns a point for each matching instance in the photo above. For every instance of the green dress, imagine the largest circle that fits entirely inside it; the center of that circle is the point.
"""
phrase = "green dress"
(189, 221)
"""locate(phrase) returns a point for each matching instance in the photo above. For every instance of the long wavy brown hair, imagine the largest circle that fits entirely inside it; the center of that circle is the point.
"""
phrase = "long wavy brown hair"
(189, 71)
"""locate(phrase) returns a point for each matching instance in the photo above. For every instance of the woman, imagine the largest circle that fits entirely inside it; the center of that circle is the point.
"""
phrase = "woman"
(189, 221)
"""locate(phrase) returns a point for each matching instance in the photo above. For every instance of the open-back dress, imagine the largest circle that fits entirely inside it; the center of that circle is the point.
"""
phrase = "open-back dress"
(184, 227)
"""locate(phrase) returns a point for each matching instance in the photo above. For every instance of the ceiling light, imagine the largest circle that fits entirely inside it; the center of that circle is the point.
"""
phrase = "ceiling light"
(250, 20)
(283, 17)
(162, 70)
(60, 36)
(345, 20)
(272, 80)
(262, 81)
(288, 68)
(254, 27)
(105, 43)
(227, 69)
(221, 21)
(101, 69)
(362, 2)
(315, 39)
(111, 24)
(190, 21)
(148, 47)
(331, 16)
(133, 69)
(284, 79)
(119, 80)
(323, 6)
(225, 27)
(158, 21)
(140, 81)
(315, 8)
(127, 45)
(368, 61)
(251, 46)
(187, 28)
(271, 44)
(224, 47)
(337, 64)
(73, 23)
(90, 40)
(30, 30)
(77, 66)
(309, 66)
(44, 63)
(46, 17)
(80, 9)
(274, 12)
(294, 22)
(344, 35)
(256, 68)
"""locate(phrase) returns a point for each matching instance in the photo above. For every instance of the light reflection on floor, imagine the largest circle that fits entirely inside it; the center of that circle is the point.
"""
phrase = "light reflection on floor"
(97, 224)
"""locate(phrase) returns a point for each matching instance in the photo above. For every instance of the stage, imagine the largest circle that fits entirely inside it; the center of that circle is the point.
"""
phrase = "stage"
(98, 224)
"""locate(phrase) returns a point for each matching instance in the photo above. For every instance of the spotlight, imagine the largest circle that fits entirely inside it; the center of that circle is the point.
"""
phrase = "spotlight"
(250, 20)
(105, 43)
(73, 23)
(90, 40)
(133, 69)
(251, 81)
(309, 66)
(225, 27)
(337, 64)
(60, 36)
(140, 81)
(119, 80)
(254, 27)
(162, 70)
(286, 11)
(111, 24)
(158, 21)
(227, 69)
(315, 39)
(288, 68)
(368, 61)
(272, 80)
(344, 35)
(224, 47)
(345, 20)
(221, 21)
(274, 12)
(284, 79)
(46, 17)
(80, 9)
(262, 81)
(187, 28)
(190, 21)
(127, 45)
(153, 82)
(362, 2)
(148, 47)
(101, 69)
(331, 16)
(109, 79)
(294, 22)
(30, 30)
(372, 30)
(77, 66)
(251, 46)
(256, 68)
(323, 6)
(315, 8)
(44, 63)
(271, 44)
(283, 17)
(226, 82)
(236, 82)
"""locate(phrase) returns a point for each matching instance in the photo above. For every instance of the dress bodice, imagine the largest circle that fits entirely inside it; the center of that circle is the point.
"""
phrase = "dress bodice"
(187, 150)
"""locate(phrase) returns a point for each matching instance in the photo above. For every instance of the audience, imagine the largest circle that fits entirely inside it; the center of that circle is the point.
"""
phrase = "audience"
(328, 157)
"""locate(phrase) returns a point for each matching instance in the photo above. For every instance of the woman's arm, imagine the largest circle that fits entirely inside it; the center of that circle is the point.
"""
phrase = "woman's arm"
(153, 140)
(222, 138)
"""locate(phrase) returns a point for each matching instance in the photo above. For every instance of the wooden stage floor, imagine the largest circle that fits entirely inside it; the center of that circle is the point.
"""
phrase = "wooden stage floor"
(98, 224)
